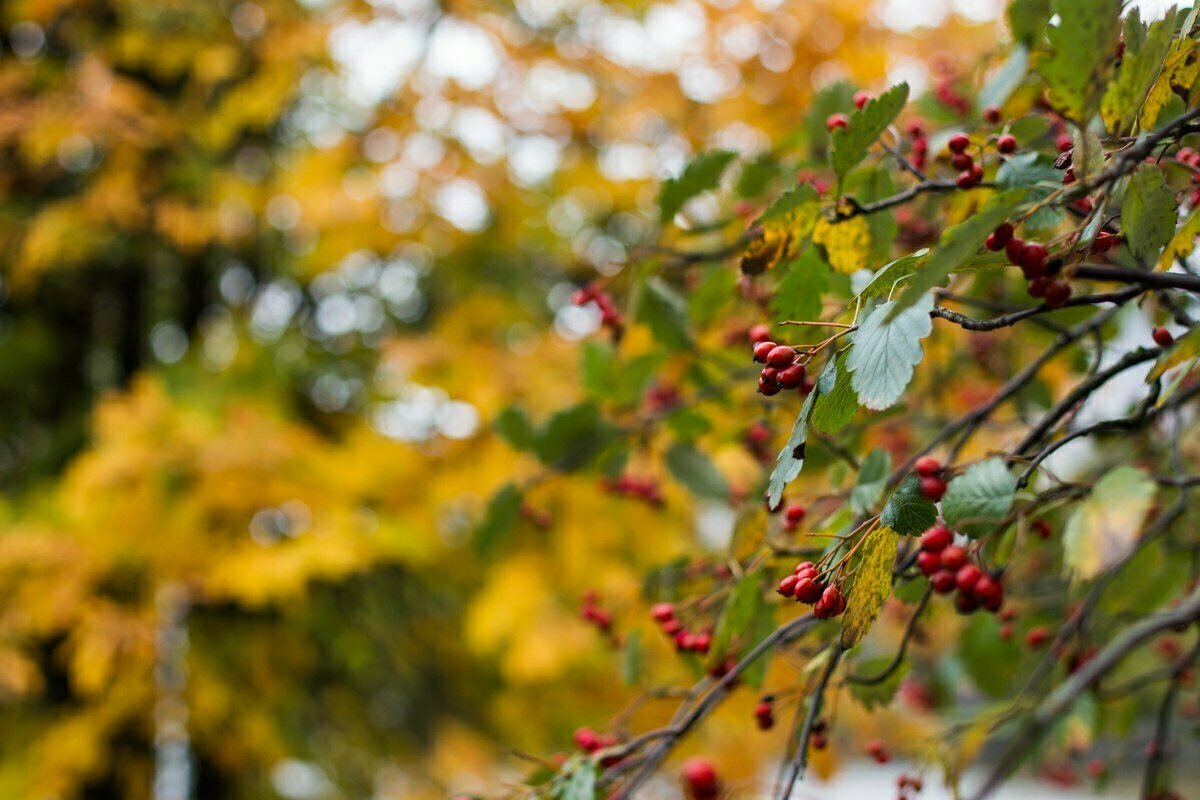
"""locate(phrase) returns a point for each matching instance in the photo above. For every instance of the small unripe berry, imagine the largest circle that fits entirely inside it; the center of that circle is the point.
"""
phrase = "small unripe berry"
(958, 142)
(942, 581)
(933, 487)
(791, 377)
(991, 114)
(929, 562)
(861, 98)
(781, 356)
(1057, 293)
(1007, 144)
(836, 121)
(927, 465)
(762, 349)
(954, 558)
(1162, 337)
(936, 539)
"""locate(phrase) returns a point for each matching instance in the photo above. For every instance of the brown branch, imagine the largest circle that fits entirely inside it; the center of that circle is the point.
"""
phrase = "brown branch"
(795, 769)
(1155, 280)
(1008, 320)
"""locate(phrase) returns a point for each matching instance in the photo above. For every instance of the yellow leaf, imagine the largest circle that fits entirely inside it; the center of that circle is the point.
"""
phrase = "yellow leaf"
(1183, 242)
(847, 243)
(1181, 69)
(871, 585)
(765, 250)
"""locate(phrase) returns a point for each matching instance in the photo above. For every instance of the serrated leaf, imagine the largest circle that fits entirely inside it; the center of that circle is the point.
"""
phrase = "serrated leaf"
(791, 458)
(838, 403)
(1141, 63)
(1149, 213)
(850, 144)
(981, 495)
(498, 519)
(872, 480)
(871, 585)
(1005, 80)
(1179, 74)
(847, 244)
(1080, 53)
(1105, 526)
(887, 347)
(1186, 347)
(908, 511)
(695, 471)
(664, 311)
(632, 658)
(891, 275)
(1183, 242)
(792, 207)
(881, 694)
(700, 175)
(798, 294)
(959, 243)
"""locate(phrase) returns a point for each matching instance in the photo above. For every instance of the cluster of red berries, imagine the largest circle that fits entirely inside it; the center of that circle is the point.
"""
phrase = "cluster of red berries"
(1032, 257)
(764, 714)
(685, 641)
(593, 612)
(781, 369)
(806, 586)
(700, 779)
(877, 750)
(948, 568)
(610, 317)
(970, 173)
(929, 476)
(646, 489)
(906, 783)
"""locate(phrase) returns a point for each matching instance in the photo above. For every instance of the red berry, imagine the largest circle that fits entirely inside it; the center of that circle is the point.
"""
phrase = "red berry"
(1069, 177)
(818, 741)
(684, 641)
(954, 558)
(792, 377)
(700, 777)
(1007, 144)
(861, 98)
(942, 581)
(1104, 242)
(661, 612)
(787, 586)
(999, 238)
(927, 465)
(586, 739)
(1013, 250)
(1006, 631)
(967, 576)
(769, 375)
(958, 142)
(1096, 768)
(760, 333)
(966, 180)
(915, 128)
(808, 590)
(702, 642)
(762, 349)
(1036, 637)
(794, 513)
(977, 172)
(1033, 260)
(990, 593)
(933, 487)
(1064, 142)
(764, 715)
(767, 389)
(962, 161)
(991, 114)
(1037, 286)
(836, 121)
(929, 562)
(806, 566)
(936, 539)
(671, 627)
(1057, 293)
(830, 605)
(878, 751)
(1041, 528)
(781, 356)
(965, 602)
(1162, 337)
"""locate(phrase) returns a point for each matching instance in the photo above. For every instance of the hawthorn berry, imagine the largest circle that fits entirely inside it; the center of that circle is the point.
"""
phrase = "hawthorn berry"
(878, 751)
(792, 377)
(977, 172)
(702, 642)
(860, 98)
(1036, 637)
(700, 778)
(661, 612)
(762, 349)
(1057, 293)
(958, 143)
(586, 739)
(933, 487)
(764, 715)
(1162, 337)
(795, 512)
(759, 333)
(999, 238)
(915, 127)
(936, 539)
(830, 605)
(781, 356)
(1037, 286)
(942, 581)
(1033, 260)
(990, 592)
(927, 465)
(770, 375)
(767, 388)
(835, 121)
(929, 562)
(965, 603)
(1007, 144)
(966, 180)
(967, 576)
(787, 586)
(1104, 242)
(962, 161)
(1006, 631)
(991, 114)
(805, 567)
(808, 590)
(1064, 142)
(1013, 249)
(1069, 177)
(954, 558)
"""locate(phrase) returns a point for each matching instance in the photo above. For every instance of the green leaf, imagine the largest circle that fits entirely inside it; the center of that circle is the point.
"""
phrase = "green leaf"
(1004, 81)
(688, 424)
(632, 658)
(572, 437)
(850, 144)
(693, 469)
(702, 174)
(1149, 213)
(881, 694)
(579, 783)
(715, 292)
(1186, 347)
(513, 425)
(908, 511)
(664, 311)
(799, 201)
(891, 275)
(979, 498)
(498, 519)
(1027, 19)
(798, 295)
(1037, 173)
(1149, 581)
(791, 457)
(960, 242)
(735, 625)
(868, 186)
(991, 661)
(1104, 527)
(838, 403)
(834, 98)
(871, 585)
(887, 347)
(1081, 51)
(872, 480)
(1141, 63)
